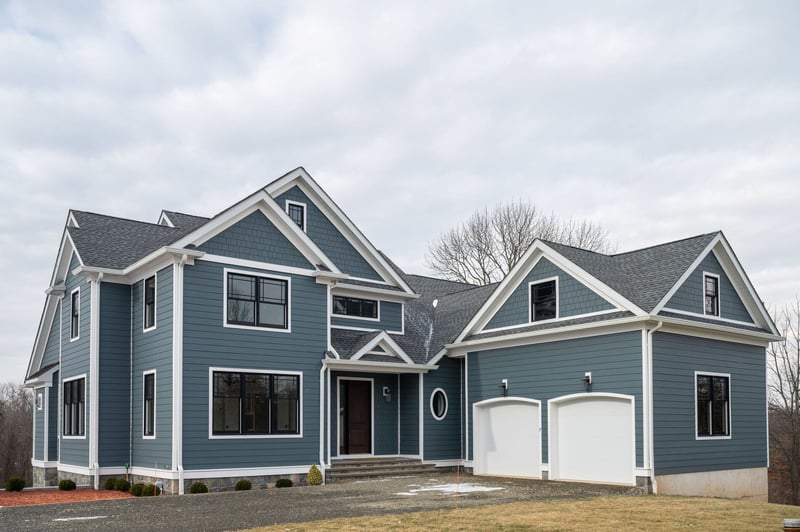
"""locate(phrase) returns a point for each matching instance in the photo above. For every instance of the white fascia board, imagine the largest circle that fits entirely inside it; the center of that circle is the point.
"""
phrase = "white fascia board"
(344, 288)
(387, 343)
(376, 367)
(582, 330)
(715, 331)
(339, 219)
(162, 257)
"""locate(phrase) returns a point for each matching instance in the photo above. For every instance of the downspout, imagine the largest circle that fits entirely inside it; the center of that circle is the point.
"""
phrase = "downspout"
(322, 420)
(177, 369)
(130, 400)
(653, 481)
(94, 370)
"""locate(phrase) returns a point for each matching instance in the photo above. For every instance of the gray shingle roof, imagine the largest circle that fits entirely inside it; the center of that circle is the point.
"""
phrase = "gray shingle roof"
(186, 221)
(115, 243)
(347, 342)
(643, 276)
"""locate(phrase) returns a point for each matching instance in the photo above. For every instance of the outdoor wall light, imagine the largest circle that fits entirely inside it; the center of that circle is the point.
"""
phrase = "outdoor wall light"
(587, 380)
(504, 386)
(387, 394)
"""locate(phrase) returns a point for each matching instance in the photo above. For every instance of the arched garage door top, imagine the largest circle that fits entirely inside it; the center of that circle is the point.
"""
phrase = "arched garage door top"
(505, 400)
(592, 438)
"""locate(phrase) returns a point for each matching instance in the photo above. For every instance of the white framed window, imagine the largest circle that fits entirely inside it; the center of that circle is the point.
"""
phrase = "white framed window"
(247, 403)
(39, 401)
(75, 315)
(149, 303)
(257, 301)
(355, 307)
(297, 212)
(712, 405)
(710, 294)
(543, 299)
(149, 404)
(438, 404)
(74, 407)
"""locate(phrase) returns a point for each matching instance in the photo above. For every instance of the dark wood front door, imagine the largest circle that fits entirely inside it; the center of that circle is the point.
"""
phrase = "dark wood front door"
(356, 412)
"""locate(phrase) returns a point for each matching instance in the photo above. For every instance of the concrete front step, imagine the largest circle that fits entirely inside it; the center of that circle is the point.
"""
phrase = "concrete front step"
(376, 467)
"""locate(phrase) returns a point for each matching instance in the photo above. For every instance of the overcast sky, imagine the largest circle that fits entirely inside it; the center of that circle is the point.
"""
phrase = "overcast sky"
(658, 120)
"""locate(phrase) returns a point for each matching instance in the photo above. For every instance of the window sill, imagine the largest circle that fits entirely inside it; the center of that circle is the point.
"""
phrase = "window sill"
(699, 438)
(254, 328)
(252, 436)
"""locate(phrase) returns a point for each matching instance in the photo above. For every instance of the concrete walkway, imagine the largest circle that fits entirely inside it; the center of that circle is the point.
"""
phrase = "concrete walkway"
(243, 510)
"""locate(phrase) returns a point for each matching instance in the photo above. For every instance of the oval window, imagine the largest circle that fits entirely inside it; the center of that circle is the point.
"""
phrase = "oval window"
(439, 404)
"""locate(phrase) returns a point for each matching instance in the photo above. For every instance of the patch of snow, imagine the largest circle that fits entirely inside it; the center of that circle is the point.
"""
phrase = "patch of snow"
(452, 488)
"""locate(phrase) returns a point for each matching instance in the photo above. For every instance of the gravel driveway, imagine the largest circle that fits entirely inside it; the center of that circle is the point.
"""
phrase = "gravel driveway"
(241, 510)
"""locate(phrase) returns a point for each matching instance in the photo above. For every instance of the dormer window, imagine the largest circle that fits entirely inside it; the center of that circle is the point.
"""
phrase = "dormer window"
(544, 300)
(355, 307)
(297, 212)
(711, 290)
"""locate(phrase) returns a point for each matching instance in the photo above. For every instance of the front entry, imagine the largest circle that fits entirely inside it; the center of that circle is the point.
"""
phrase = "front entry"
(355, 416)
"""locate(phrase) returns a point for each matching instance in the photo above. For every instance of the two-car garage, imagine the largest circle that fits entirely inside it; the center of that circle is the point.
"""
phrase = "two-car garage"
(591, 438)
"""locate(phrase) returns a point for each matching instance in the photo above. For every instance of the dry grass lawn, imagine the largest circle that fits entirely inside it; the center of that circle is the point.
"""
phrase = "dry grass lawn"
(597, 514)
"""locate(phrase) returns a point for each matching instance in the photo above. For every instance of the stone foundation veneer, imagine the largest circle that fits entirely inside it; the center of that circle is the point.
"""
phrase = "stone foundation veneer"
(45, 476)
(749, 484)
(258, 482)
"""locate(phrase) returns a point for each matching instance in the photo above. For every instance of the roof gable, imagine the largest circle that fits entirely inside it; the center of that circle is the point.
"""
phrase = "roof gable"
(306, 184)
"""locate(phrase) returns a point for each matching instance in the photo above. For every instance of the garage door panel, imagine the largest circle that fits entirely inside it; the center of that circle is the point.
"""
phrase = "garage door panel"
(507, 439)
(592, 439)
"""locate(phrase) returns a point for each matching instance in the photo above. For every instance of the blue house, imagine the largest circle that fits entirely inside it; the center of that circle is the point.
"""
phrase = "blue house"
(274, 336)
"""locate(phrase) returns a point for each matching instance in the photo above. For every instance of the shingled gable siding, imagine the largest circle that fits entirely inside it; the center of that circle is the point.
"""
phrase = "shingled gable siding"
(442, 437)
(574, 298)
(689, 297)
(384, 414)
(328, 238)
(409, 414)
(675, 360)
(208, 344)
(391, 319)
(549, 370)
(152, 350)
(75, 361)
(256, 238)
(115, 366)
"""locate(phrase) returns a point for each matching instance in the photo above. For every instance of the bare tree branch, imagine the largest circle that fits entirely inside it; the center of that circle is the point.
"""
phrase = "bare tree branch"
(485, 247)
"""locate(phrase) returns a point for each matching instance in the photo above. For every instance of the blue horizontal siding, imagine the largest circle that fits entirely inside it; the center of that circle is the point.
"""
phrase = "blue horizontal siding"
(675, 360)
(549, 370)
(442, 438)
(207, 343)
(409, 414)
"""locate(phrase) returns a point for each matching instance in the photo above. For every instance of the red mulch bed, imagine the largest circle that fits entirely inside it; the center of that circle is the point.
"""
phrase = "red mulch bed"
(30, 496)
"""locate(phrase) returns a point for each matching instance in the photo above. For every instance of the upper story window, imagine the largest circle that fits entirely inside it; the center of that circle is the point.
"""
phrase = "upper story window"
(150, 302)
(74, 407)
(257, 301)
(544, 300)
(75, 315)
(297, 212)
(713, 405)
(355, 307)
(711, 292)
(255, 403)
(149, 404)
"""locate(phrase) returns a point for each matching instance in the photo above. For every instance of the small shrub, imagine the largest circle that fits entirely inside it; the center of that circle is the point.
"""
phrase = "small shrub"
(284, 483)
(109, 483)
(15, 484)
(148, 490)
(136, 489)
(198, 487)
(66, 485)
(243, 485)
(314, 477)
(122, 485)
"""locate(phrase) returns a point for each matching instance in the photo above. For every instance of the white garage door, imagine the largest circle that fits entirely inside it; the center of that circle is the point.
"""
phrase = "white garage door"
(507, 437)
(592, 438)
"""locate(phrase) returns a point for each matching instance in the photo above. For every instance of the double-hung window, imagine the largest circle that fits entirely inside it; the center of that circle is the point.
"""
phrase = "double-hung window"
(257, 301)
(713, 405)
(149, 404)
(73, 420)
(75, 315)
(255, 403)
(544, 300)
(355, 307)
(711, 294)
(150, 302)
